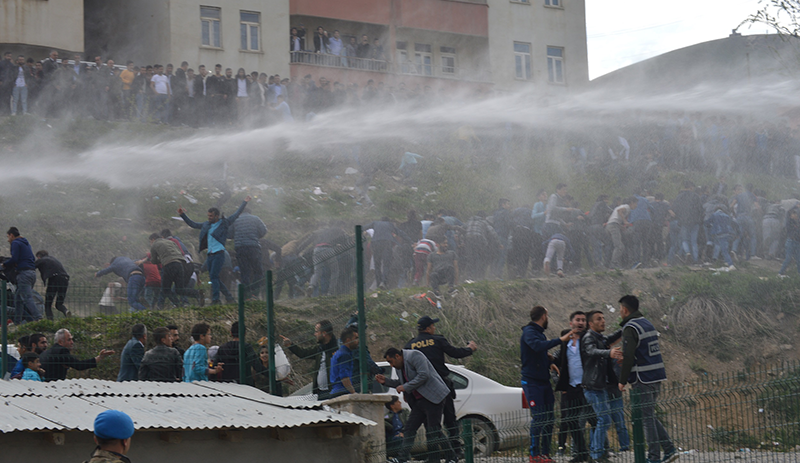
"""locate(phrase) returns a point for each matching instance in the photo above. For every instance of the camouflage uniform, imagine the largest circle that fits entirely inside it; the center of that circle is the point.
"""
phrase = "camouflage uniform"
(104, 456)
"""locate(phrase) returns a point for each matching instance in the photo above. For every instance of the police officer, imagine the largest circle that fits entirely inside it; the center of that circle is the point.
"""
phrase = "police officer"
(434, 346)
(112, 434)
(643, 367)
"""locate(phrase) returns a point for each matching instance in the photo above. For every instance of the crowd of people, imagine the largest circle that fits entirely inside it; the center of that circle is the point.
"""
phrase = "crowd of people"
(705, 226)
(202, 97)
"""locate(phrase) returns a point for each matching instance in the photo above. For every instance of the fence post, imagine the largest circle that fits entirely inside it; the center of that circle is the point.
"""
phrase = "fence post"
(273, 384)
(638, 427)
(362, 315)
(466, 434)
(243, 366)
(4, 321)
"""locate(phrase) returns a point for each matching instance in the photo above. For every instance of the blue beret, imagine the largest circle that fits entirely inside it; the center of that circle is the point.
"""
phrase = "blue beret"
(113, 424)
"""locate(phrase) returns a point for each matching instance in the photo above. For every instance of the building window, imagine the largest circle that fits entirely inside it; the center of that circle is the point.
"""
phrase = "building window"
(402, 57)
(522, 60)
(556, 3)
(448, 55)
(250, 27)
(423, 59)
(210, 24)
(555, 65)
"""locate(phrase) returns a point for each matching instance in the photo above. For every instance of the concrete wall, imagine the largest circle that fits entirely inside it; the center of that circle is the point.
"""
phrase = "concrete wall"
(541, 26)
(336, 444)
(137, 31)
(186, 39)
(48, 24)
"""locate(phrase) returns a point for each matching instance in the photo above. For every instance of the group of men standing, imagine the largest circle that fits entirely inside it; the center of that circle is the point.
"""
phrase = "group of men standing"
(588, 365)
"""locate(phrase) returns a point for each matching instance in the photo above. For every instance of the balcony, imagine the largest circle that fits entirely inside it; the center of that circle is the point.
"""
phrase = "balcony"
(349, 68)
(333, 61)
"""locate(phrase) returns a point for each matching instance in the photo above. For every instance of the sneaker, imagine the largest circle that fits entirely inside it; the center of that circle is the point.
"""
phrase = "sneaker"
(452, 291)
(560, 273)
(755, 258)
(732, 267)
(68, 314)
(671, 456)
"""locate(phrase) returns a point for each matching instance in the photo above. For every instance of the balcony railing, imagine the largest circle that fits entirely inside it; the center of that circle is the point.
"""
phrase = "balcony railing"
(351, 62)
(408, 68)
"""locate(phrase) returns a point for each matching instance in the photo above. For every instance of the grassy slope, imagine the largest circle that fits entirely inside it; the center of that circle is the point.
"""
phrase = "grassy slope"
(56, 217)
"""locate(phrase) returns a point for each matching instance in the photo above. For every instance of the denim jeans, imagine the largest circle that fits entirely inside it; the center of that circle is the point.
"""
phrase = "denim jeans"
(599, 402)
(215, 261)
(689, 239)
(326, 271)
(25, 309)
(19, 95)
(772, 235)
(654, 432)
(616, 409)
(792, 252)
(135, 289)
(540, 399)
(747, 232)
(249, 258)
(722, 246)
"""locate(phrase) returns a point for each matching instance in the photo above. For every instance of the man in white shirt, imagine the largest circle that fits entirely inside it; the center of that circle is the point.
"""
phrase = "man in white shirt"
(335, 47)
(616, 225)
(160, 85)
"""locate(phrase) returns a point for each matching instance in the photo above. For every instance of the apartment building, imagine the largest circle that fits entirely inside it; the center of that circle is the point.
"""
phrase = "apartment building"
(505, 45)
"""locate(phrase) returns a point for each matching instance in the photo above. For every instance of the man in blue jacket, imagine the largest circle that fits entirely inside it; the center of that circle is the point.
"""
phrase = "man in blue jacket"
(536, 381)
(24, 263)
(132, 354)
(213, 234)
(247, 230)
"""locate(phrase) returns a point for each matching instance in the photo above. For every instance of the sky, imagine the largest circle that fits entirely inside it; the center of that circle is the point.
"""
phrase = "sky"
(622, 33)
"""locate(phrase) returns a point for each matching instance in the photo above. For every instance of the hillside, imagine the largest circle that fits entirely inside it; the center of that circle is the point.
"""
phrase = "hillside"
(742, 320)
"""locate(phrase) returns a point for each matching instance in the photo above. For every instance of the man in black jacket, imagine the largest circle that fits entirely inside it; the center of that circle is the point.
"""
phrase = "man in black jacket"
(598, 374)
(56, 279)
(321, 354)
(573, 403)
(434, 346)
(57, 359)
(161, 363)
(228, 354)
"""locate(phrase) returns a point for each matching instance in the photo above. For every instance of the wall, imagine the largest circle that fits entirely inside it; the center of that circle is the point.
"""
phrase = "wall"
(368, 11)
(297, 444)
(49, 24)
(137, 31)
(273, 58)
(540, 26)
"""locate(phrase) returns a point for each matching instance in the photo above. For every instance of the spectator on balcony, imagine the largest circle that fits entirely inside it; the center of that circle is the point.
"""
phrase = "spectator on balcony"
(335, 47)
(350, 51)
(297, 43)
(321, 40)
(362, 51)
(376, 52)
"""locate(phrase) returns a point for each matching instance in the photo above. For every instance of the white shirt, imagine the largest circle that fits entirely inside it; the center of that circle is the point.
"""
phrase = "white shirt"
(162, 84)
(242, 87)
(620, 214)
(20, 78)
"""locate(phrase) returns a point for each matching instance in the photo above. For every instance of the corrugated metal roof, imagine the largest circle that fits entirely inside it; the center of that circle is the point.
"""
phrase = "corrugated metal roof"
(73, 405)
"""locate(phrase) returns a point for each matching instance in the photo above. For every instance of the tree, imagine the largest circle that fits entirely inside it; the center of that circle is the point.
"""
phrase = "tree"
(781, 15)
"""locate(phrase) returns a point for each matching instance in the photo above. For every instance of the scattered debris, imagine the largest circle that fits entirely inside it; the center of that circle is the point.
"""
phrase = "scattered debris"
(350, 171)
(262, 187)
(93, 213)
(190, 198)
(318, 191)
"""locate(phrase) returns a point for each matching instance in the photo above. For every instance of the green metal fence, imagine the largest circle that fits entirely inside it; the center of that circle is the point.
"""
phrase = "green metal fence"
(752, 415)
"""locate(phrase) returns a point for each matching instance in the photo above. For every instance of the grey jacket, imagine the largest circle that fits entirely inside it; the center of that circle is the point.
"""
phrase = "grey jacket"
(422, 377)
(247, 230)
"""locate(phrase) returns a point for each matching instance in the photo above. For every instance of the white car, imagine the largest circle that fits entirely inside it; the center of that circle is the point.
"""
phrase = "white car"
(499, 414)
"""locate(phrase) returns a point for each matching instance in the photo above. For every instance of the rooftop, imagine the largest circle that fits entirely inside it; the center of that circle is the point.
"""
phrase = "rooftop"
(73, 405)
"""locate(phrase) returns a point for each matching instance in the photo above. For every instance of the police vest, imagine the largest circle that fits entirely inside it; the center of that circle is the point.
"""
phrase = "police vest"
(649, 366)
